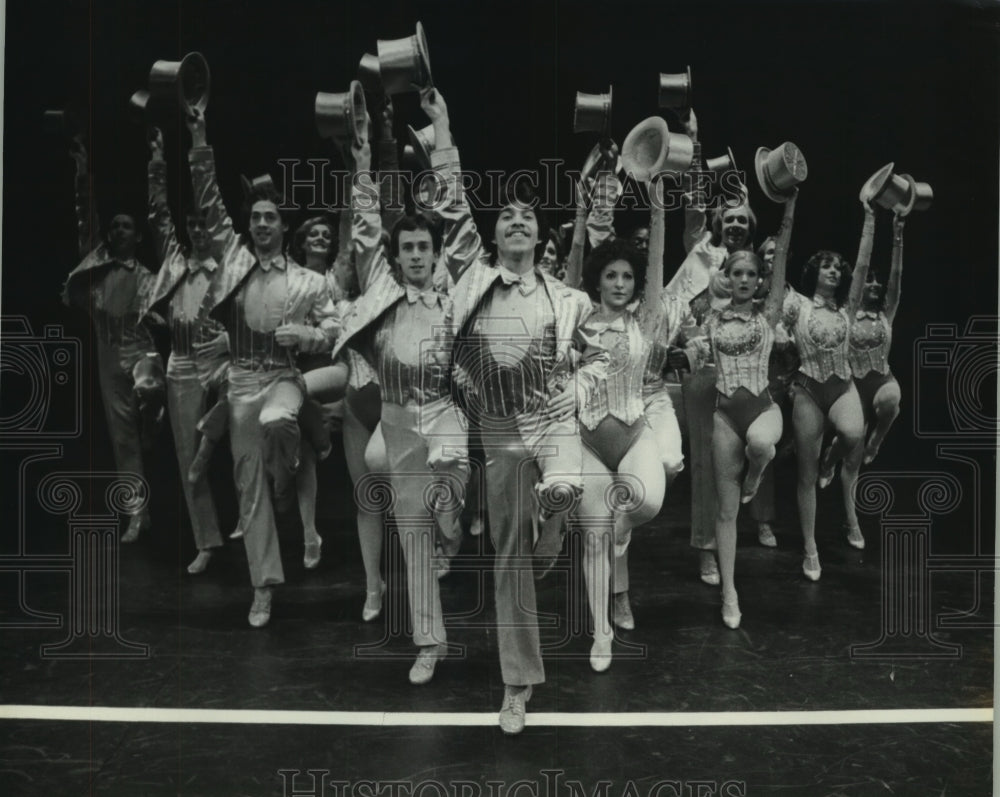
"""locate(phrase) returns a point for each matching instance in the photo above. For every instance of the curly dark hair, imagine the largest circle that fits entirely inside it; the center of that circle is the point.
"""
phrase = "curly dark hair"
(607, 253)
(298, 247)
(518, 192)
(810, 273)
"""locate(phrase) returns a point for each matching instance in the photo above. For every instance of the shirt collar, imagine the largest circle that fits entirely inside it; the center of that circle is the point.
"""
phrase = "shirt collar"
(429, 296)
(277, 261)
(526, 283)
(129, 263)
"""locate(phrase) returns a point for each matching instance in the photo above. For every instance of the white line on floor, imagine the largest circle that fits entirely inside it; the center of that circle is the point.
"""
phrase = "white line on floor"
(537, 719)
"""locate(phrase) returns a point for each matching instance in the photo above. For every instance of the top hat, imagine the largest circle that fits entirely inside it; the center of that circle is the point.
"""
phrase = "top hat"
(261, 187)
(651, 148)
(876, 185)
(423, 143)
(187, 80)
(63, 123)
(370, 74)
(596, 159)
(920, 197)
(724, 163)
(675, 90)
(592, 112)
(780, 170)
(342, 116)
(888, 190)
(405, 64)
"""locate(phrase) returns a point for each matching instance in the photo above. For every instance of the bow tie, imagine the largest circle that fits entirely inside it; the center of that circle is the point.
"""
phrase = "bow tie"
(428, 296)
(526, 283)
(194, 266)
(829, 304)
(866, 314)
(129, 263)
(729, 314)
(278, 262)
(617, 325)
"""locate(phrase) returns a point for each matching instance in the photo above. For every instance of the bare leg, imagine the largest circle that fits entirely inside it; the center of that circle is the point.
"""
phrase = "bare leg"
(596, 518)
(886, 403)
(728, 461)
(807, 420)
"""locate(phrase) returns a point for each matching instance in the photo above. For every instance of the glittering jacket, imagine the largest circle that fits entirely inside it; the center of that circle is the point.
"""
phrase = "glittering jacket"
(113, 292)
(171, 283)
(576, 356)
(382, 295)
(307, 301)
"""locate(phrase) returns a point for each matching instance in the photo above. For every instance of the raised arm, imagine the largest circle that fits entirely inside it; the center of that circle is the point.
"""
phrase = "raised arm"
(695, 218)
(574, 261)
(389, 177)
(603, 198)
(461, 243)
(651, 305)
(205, 188)
(87, 224)
(895, 285)
(776, 296)
(860, 274)
(366, 230)
(160, 221)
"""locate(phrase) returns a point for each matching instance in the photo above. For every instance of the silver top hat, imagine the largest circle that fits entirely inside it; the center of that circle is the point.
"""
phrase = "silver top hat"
(592, 112)
(405, 64)
(187, 81)
(780, 170)
(675, 91)
(342, 116)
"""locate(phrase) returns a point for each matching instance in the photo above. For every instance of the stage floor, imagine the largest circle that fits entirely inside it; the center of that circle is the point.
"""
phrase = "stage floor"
(793, 652)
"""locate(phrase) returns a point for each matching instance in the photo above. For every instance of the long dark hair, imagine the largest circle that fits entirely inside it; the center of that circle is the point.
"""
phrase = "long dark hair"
(810, 273)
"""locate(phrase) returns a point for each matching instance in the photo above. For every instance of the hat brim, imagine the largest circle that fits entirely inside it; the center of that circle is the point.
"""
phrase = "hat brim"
(904, 209)
(759, 160)
(876, 184)
(420, 152)
(425, 54)
(636, 172)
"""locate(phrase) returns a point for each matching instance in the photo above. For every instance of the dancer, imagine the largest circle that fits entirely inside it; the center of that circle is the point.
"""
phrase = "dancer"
(823, 390)
(402, 325)
(313, 246)
(871, 310)
(747, 423)
(514, 372)
(272, 308)
(659, 320)
(199, 346)
(112, 287)
(707, 241)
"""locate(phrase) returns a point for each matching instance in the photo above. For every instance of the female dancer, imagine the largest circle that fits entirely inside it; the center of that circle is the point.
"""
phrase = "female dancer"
(747, 423)
(313, 246)
(872, 310)
(822, 389)
(660, 329)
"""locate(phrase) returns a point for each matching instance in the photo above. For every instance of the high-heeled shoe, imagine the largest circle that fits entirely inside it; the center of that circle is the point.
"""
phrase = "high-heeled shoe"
(810, 566)
(709, 569)
(373, 604)
(855, 537)
(731, 613)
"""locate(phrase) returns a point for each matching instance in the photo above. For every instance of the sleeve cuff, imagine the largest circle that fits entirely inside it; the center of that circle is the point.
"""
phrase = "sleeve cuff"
(201, 154)
(444, 157)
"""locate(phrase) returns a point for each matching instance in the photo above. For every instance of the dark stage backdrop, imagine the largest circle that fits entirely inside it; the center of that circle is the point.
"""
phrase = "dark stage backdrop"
(855, 85)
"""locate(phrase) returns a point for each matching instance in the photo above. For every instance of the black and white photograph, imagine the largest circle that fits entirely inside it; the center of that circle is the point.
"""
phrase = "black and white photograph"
(500, 398)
